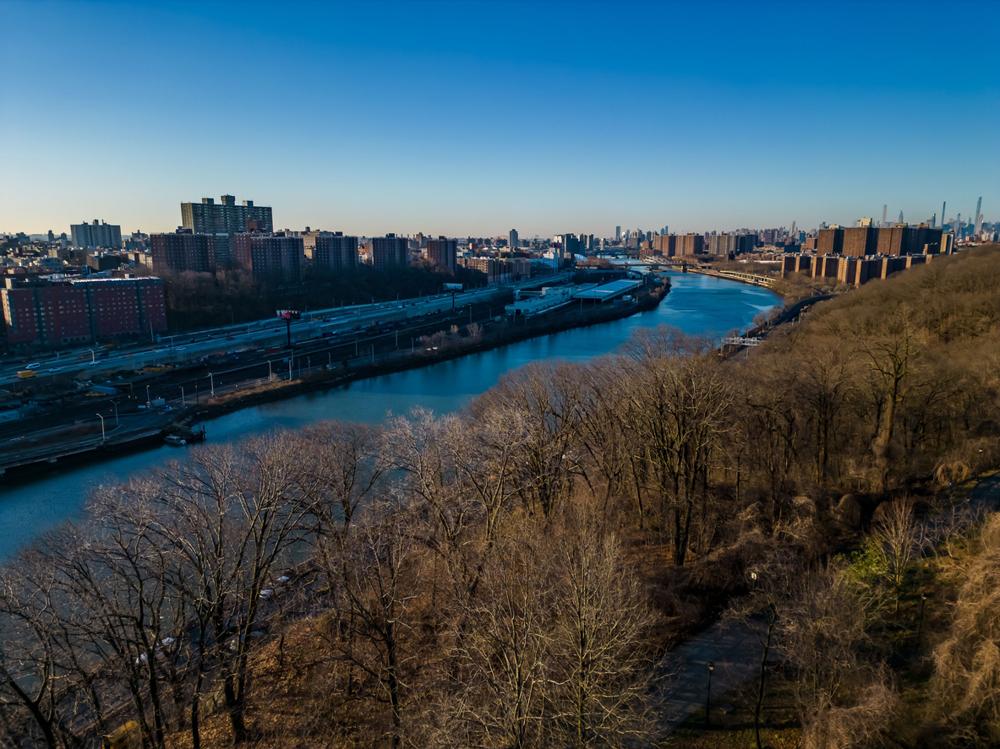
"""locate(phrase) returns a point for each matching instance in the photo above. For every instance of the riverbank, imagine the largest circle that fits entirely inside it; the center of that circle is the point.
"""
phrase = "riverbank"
(696, 305)
(440, 347)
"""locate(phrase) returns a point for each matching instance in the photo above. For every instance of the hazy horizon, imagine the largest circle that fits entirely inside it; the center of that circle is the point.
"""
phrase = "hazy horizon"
(474, 119)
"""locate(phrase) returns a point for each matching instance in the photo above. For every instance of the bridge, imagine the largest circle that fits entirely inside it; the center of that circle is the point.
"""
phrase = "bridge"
(739, 340)
(752, 278)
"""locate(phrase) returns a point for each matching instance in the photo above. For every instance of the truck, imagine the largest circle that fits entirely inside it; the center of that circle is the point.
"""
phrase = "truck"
(25, 374)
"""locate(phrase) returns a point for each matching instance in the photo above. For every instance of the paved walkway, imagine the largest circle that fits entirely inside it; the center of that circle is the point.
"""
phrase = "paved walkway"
(734, 649)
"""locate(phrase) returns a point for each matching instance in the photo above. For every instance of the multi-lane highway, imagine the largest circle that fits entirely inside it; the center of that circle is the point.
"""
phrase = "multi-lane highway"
(190, 347)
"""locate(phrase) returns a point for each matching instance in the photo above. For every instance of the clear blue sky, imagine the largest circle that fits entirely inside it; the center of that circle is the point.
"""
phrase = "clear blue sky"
(473, 117)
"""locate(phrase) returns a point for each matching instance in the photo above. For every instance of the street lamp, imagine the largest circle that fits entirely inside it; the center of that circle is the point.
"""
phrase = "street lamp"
(102, 427)
(115, 404)
(920, 623)
(147, 397)
(93, 357)
(708, 694)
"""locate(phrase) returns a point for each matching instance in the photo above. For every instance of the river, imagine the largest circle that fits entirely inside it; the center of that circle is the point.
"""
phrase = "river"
(697, 304)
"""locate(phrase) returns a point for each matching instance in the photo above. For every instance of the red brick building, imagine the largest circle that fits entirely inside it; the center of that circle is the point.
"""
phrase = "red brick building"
(270, 257)
(58, 313)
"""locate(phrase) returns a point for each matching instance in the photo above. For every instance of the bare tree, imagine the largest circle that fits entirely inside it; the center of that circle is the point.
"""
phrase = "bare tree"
(599, 664)
(681, 403)
(376, 559)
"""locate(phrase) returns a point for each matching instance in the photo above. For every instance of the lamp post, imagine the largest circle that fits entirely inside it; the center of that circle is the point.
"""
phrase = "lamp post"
(920, 622)
(115, 404)
(708, 695)
(102, 427)
(211, 383)
(93, 357)
(147, 397)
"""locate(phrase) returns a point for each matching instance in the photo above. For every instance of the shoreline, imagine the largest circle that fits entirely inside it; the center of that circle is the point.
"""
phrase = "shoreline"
(510, 333)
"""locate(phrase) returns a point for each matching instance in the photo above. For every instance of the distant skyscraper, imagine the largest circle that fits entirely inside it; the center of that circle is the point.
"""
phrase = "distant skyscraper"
(93, 235)
(885, 211)
(513, 241)
(944, 216)
(901, 217)
(209, 217)
(978, 219)
(933, 220)
(618, 234)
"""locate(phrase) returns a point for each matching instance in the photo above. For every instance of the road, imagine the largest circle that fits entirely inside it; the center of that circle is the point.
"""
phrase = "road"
(190, 347)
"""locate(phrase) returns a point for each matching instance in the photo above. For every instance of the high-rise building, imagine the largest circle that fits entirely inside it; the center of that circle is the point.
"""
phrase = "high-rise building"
(618, 234)
(390, 251)
(209, 217)
(94, 235)
(335, 252)
(690, 244)
(858, 241)
(513, 241)
(978, 218)
(442, 253)
(570, 245)
(270, 257)
(82, 310)
(862, 241)
(183, 251)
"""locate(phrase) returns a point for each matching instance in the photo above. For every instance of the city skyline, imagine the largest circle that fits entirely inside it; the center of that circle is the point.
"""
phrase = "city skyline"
(464, 120)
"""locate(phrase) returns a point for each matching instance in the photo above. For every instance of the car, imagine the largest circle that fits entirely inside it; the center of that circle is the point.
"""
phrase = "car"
(33, 365)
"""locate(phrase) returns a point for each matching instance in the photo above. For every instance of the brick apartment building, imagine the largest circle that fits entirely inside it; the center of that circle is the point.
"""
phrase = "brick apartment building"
(183, 250)
(861, 241)
(679, 245)
(443, 253)
(848, 269)
(270, 257)
(390, 251)
(63, 312)
(335, 251)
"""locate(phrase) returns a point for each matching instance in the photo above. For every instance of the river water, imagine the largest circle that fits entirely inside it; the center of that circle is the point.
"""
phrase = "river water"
(698, 305)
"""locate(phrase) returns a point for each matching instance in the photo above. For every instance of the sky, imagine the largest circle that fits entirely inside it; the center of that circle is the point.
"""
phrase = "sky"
(475, 117)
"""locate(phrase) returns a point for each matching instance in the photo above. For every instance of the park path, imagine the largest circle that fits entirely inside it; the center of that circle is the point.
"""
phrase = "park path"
(733, 647)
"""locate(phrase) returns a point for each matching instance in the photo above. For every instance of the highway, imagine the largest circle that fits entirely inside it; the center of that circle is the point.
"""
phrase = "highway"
(193, 346)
